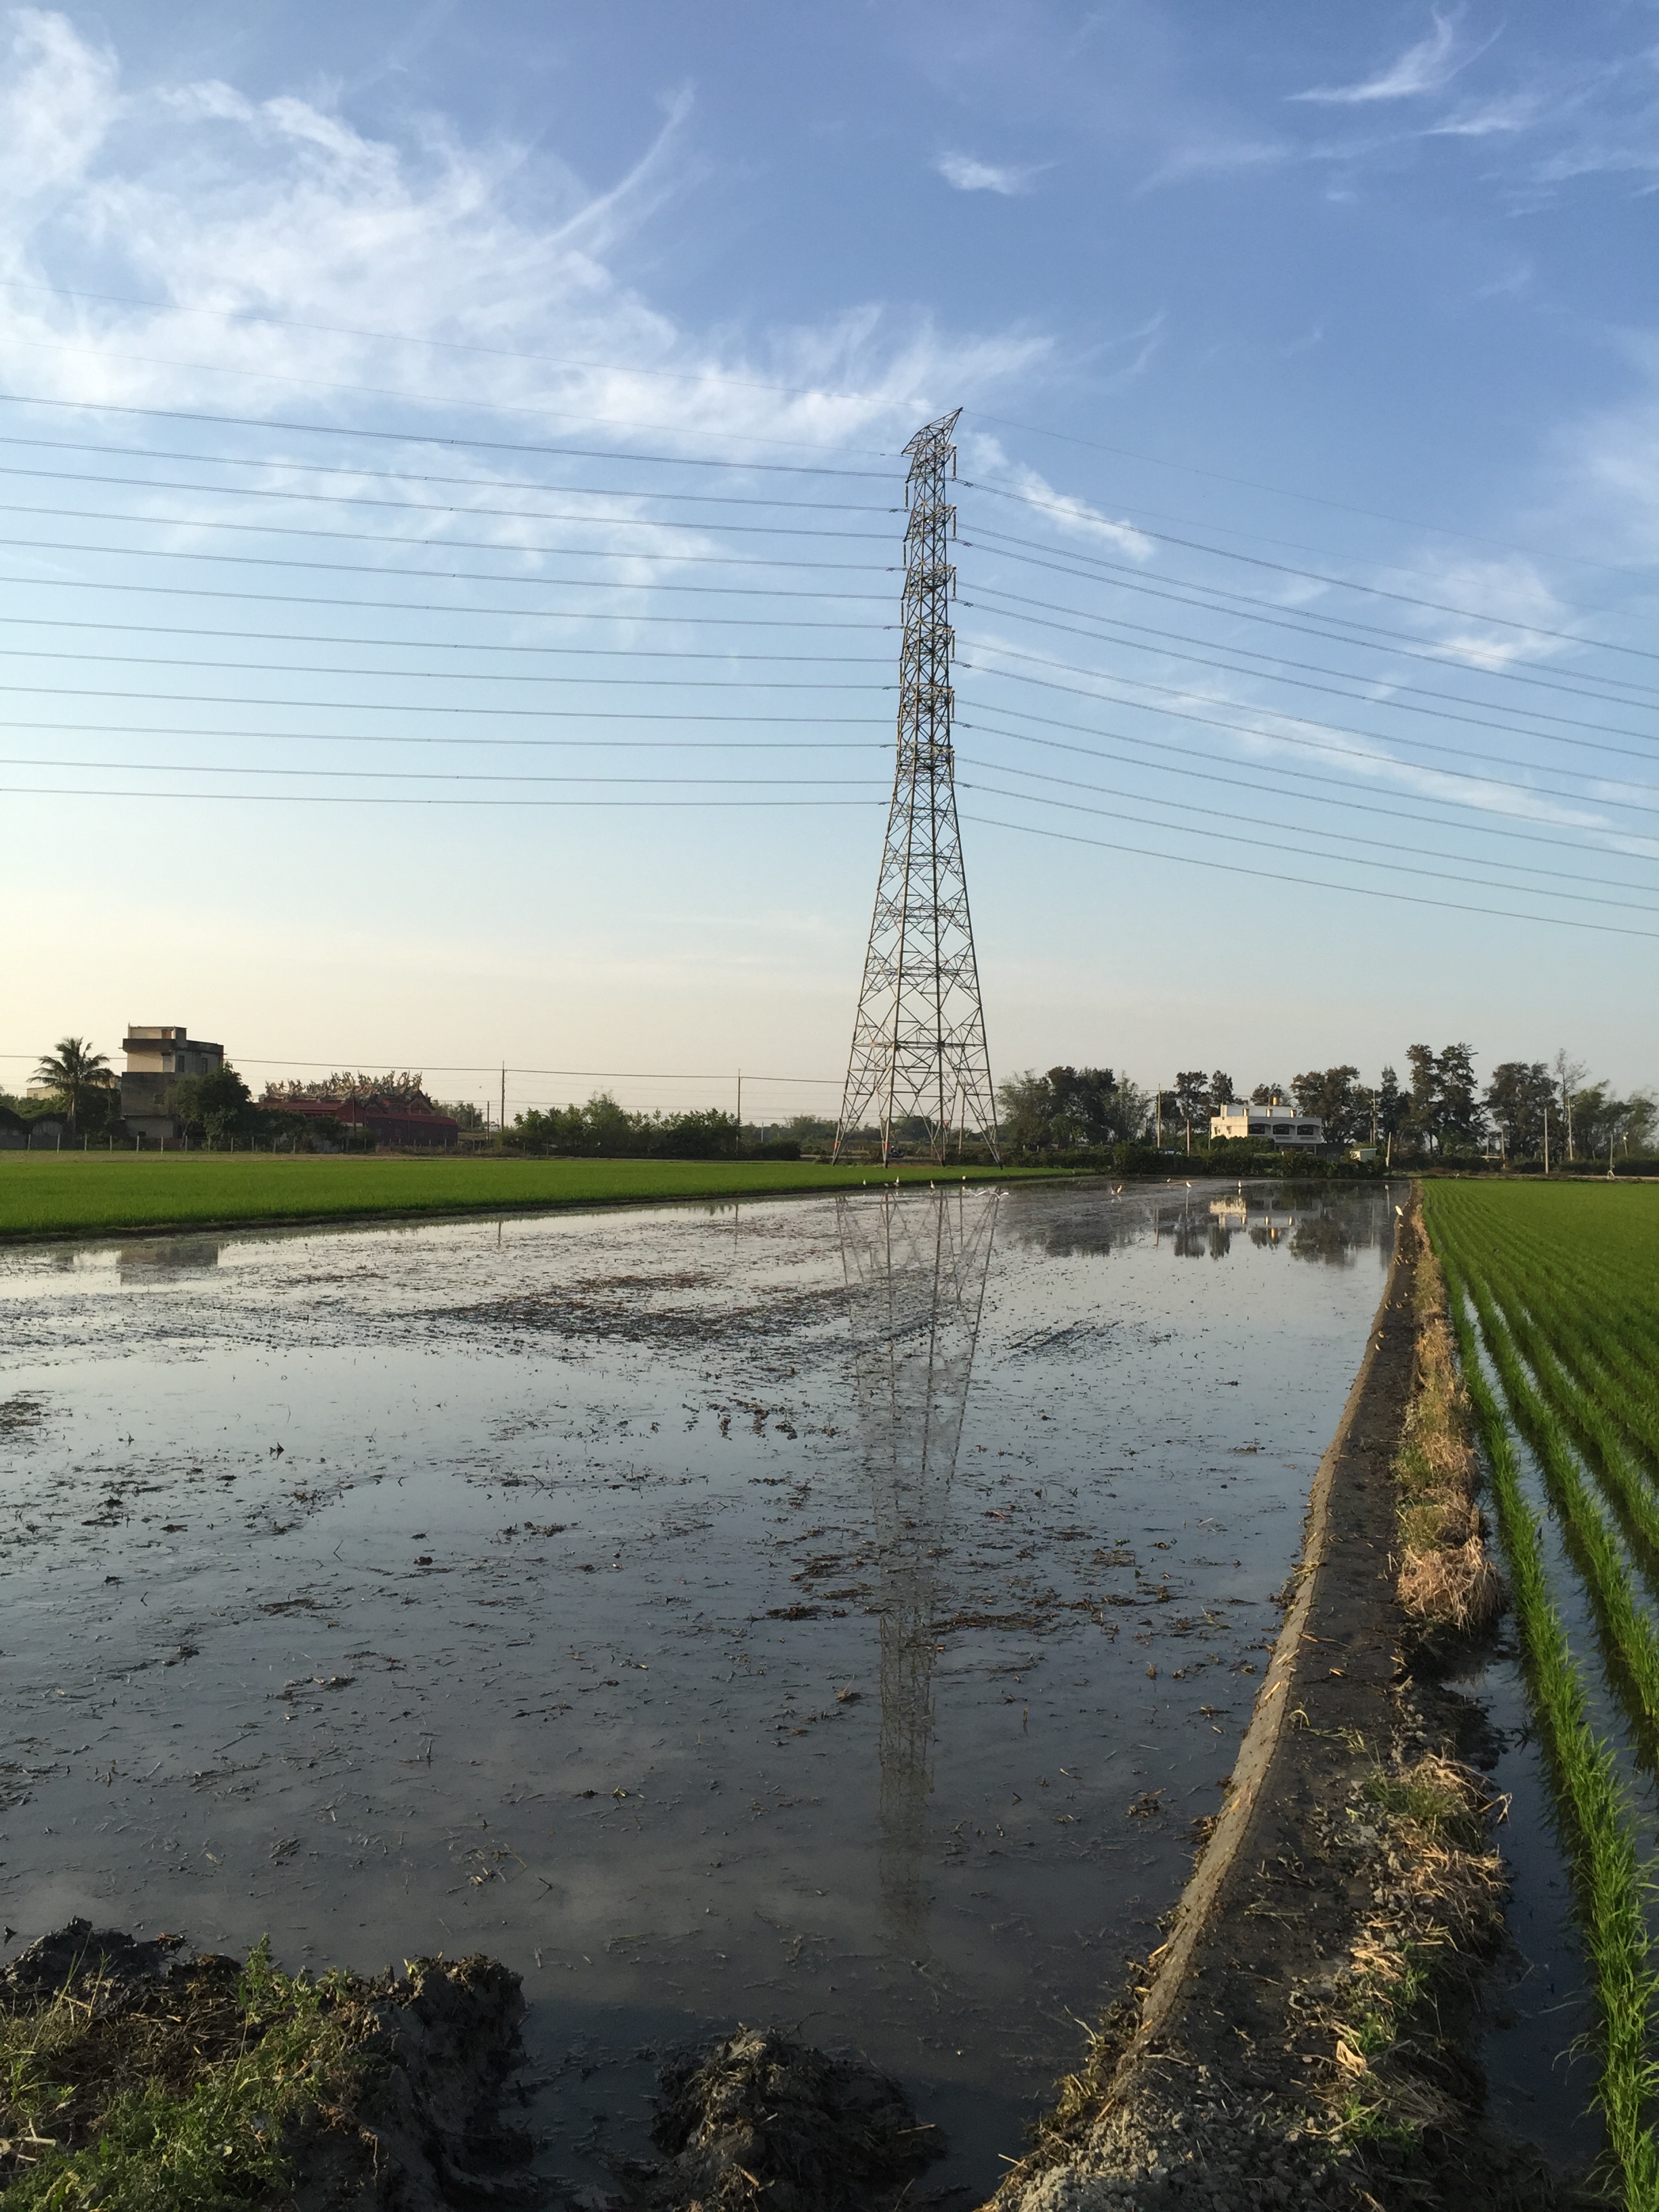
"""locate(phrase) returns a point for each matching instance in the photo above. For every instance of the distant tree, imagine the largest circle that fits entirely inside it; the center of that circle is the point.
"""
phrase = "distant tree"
(1265, 1093)
(1192, 1100)
(1333, 1095)
(216, 1106)
(76, 1075)
(809, 1128)
(1462, 1124)
(1389, 1104)
(1422, 1120)
(1069, 1109)
(1641, 1114)
(1221, 1092)
(461, 1111)
(1569, 1074)
(1517, 1097)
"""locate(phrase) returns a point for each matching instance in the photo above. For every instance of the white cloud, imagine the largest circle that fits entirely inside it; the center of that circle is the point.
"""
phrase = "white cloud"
(282, 247)
(1219, 157)
(1516, 111)
(1423, 68)
(985, 458)
(57, 101)
(966, 175)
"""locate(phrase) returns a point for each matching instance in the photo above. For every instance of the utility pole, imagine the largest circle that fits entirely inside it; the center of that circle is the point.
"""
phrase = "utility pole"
(738, 1142)
(919, 1035)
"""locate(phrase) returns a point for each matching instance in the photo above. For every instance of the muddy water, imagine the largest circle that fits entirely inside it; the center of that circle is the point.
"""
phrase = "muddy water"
(833, 1613)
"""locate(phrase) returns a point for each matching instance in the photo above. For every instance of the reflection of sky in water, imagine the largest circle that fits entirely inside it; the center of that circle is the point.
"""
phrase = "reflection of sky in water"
(832, 1612)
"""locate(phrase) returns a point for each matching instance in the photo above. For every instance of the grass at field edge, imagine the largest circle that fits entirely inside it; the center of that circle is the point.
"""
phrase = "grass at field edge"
(64, 1195)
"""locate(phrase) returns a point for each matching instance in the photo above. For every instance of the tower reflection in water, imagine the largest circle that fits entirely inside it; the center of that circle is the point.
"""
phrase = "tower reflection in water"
(916, 1267)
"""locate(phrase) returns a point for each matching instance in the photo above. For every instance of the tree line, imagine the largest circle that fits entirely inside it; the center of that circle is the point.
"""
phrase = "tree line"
(1528, 1110)
(1441, 1109)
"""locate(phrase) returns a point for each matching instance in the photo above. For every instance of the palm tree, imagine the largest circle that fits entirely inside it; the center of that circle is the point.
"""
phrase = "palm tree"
(73, 1070)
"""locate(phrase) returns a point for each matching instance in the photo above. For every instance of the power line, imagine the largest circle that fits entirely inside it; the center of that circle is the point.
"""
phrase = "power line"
(377, 799)
(445, 544)
(1306, 830)
(1351, 859)
(1186, 757)
(1301, 683)
(464, 675)
(446, 438)
(1315, 576)
(426, 707)
(1282, 491)
(401, 738)
(511, 614)
(1313, 668)
(381, 475)
(426, 644)
(431, 545)
(1310, 883)
(421, 775)
(1332, 729)
(1308, 622)
(468, 508)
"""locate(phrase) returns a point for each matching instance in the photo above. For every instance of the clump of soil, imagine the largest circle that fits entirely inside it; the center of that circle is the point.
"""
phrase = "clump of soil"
(760, 2116)
(136, 2074)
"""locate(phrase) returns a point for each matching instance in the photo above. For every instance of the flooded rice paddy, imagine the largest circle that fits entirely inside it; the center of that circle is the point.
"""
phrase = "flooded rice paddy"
(837, 1613)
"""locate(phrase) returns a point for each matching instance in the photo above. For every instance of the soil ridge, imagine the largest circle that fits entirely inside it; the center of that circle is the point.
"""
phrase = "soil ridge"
(1304, 2037)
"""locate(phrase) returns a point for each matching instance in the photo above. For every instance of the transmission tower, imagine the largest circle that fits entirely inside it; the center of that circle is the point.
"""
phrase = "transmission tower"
(918, 1038)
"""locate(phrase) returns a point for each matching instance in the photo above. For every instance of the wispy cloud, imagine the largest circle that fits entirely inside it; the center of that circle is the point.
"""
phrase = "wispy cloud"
(1425, 68)
(964, 173)
(1219, 157)
(1491, 119)
(262, 245)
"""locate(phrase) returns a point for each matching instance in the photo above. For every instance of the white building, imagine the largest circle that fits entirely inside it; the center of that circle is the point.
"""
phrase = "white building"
(158, 1054)
(1278, 1124)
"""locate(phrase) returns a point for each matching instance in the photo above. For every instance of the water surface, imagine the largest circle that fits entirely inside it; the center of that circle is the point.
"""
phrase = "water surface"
(832, 1612)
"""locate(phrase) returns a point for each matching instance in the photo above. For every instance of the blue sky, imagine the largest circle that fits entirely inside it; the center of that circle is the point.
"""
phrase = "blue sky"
(1309, 522)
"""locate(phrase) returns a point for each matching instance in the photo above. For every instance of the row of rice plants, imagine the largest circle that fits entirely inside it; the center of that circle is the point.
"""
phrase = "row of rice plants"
(1554, 1294)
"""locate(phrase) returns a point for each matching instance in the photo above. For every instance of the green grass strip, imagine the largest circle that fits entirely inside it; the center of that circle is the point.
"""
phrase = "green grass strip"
(1609, 1886)
(93, 1194)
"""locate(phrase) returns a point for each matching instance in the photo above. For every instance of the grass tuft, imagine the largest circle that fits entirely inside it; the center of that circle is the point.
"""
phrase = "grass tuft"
(183, 2108)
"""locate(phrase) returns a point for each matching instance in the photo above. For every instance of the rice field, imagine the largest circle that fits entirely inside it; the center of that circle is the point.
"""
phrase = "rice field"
(1554, 1293)
(74, 1194)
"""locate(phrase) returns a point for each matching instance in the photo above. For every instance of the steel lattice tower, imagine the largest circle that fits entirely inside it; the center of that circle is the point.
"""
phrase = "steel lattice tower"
(918, 1038)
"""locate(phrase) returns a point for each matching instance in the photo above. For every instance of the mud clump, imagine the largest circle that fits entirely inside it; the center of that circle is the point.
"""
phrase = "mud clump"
(135, 2072)
(761, 2118)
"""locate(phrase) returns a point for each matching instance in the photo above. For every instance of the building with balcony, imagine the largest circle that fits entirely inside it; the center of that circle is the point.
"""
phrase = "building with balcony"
(1276, 1123)
(158, 1054)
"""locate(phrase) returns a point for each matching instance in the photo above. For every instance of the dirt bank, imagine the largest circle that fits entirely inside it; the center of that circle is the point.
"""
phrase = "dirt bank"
(138, 2072)
(1303, 2038)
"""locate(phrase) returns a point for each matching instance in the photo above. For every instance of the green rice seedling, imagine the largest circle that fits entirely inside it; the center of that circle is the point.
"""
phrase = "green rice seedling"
(1608, 1885)
(1627, 1628)
(1632, 1493)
